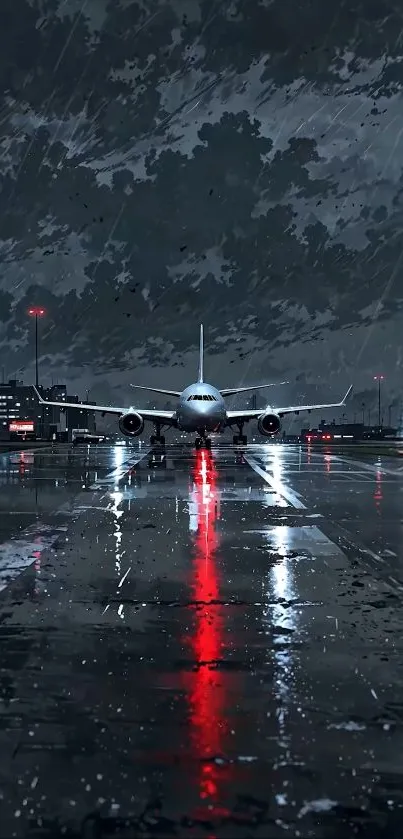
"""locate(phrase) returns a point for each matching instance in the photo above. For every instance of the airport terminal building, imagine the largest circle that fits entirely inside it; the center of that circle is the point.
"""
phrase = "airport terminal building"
(22, 416)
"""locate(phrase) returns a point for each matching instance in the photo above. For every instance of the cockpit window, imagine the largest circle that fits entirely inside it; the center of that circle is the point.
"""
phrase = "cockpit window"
(206, 397)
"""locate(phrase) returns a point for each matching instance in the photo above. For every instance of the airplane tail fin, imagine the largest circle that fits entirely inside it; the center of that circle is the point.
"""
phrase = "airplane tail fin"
(201, 354)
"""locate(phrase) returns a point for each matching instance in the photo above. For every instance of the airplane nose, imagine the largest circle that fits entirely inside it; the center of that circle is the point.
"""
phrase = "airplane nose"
(208, 410)
(211, 415)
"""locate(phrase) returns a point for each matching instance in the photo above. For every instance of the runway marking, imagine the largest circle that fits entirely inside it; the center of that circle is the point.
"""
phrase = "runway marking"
(347, 537)
(306, 537)
(17, 555)
(365, 467)
(391, 581)
(363, 479)
(278, 487)
(116, 475)
(319, 471)
(83, 507)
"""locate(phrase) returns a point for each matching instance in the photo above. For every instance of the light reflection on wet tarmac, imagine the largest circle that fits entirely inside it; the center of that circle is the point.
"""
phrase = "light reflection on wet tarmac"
(206, 682)
(195, 647)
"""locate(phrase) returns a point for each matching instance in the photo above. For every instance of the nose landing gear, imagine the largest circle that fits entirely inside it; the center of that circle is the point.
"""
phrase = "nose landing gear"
(203, 443)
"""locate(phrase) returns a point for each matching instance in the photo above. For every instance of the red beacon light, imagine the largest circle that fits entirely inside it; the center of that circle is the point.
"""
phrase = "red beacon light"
(36, 311)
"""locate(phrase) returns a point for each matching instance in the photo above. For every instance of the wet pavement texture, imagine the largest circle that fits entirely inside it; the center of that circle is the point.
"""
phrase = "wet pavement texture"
(200, 644)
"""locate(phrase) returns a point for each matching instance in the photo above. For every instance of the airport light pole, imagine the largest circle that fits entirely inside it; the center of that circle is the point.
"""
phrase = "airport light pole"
(363, 406)
(379, 379)
(36, 312)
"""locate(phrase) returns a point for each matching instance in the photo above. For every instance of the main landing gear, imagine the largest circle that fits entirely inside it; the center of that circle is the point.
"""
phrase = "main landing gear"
(241, 438)
(203, 443)
(157, 438)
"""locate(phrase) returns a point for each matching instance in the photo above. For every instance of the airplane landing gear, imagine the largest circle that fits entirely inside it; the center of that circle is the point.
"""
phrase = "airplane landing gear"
(157, 439)
(241, 438)
(203, 443)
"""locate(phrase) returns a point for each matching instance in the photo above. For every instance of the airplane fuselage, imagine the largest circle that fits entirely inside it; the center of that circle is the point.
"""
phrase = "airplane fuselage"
(201, 408)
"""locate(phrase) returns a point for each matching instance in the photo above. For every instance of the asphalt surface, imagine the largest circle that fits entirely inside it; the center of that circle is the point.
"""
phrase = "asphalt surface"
(207, 645)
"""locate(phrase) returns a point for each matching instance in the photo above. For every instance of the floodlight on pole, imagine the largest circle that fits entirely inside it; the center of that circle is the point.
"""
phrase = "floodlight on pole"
(379, 378)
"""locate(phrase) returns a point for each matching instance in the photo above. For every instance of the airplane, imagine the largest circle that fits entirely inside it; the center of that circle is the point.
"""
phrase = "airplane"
(201, 408)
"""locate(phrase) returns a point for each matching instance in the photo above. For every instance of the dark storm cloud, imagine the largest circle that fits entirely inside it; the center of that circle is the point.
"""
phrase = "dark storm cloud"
(167, 162)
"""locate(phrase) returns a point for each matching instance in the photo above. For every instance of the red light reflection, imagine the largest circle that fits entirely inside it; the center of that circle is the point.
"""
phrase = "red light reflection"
(207, 685)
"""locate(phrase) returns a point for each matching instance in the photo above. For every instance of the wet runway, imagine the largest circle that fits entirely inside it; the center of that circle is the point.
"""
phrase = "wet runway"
(207, 645)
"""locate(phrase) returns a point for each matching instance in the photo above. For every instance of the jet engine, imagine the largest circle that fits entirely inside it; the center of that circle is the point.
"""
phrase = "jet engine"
(269, 424)
(131, 424)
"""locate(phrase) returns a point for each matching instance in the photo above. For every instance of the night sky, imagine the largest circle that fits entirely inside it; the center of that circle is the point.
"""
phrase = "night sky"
(238, 162)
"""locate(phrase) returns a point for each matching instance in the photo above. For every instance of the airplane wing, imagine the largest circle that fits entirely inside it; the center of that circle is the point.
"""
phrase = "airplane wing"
(233, 416)
(166, 417)
(230, 391)
(158, 390)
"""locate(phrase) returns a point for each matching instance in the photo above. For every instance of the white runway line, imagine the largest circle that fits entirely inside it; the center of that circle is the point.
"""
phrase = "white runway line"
(364, 467)
(116, 475)
(290, 496)
(306, 538)
(277, 486)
